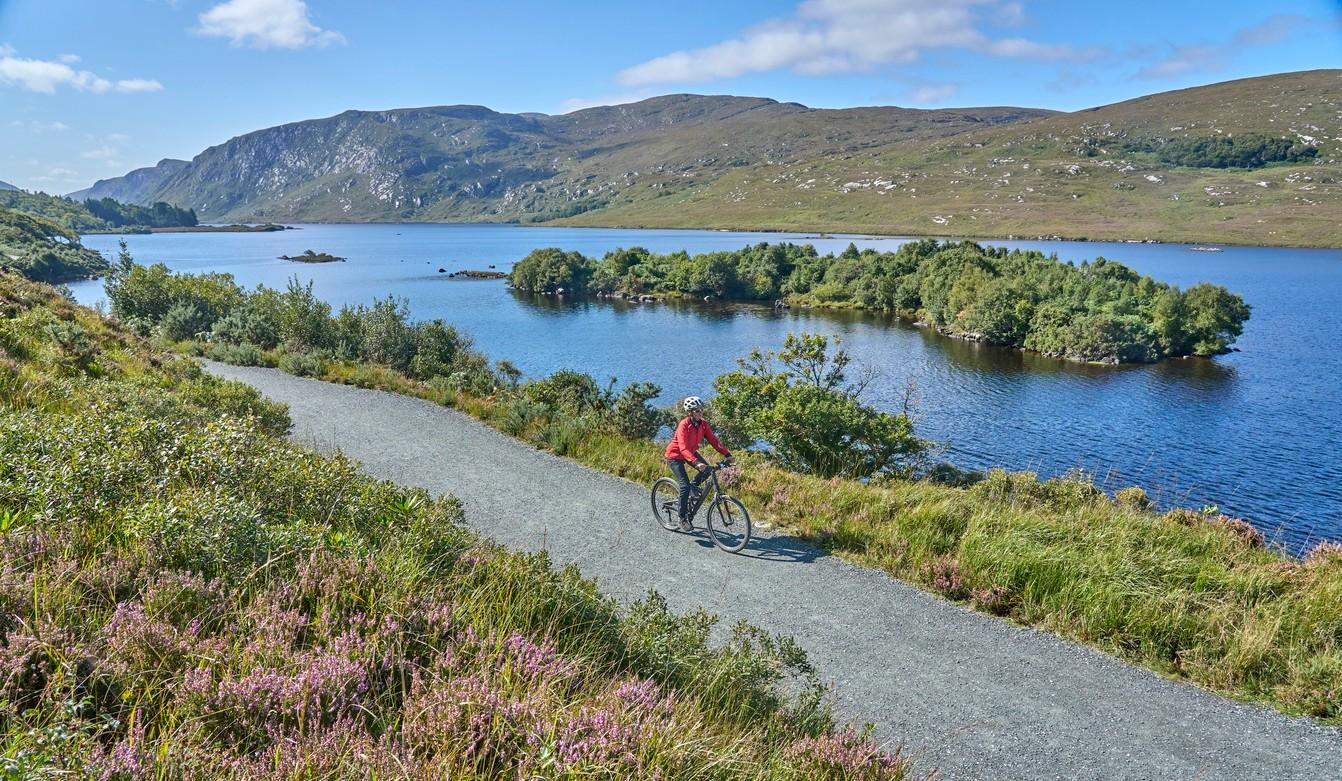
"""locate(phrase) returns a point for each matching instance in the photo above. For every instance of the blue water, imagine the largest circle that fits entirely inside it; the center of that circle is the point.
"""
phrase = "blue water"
(1256, 432)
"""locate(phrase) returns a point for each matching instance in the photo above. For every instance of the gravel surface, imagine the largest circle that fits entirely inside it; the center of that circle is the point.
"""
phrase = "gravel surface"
(959, 691)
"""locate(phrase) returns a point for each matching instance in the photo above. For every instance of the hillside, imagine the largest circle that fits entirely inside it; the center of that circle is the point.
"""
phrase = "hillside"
(101, 214)
(696, 161)
(468, 162)
(1075, 175)
(7, 186)
(42, 250)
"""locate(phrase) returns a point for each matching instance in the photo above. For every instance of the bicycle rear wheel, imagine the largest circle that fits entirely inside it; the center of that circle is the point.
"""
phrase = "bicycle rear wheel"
(666, 503)
(729, 524)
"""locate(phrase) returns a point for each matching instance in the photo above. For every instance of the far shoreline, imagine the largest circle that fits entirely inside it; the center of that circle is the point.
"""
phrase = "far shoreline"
(831, 234)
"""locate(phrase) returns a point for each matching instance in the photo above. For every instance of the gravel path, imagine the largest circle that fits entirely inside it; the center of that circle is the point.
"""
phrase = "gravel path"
(969, 694)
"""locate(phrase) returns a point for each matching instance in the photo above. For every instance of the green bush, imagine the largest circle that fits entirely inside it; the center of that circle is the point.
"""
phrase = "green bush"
(437, 349)
(1132, 498)
(237, 354)
(183, 321)
(150, 292)
(302, 364)
(572, 393)
(811, 420)
(248, 324)
(632, 416)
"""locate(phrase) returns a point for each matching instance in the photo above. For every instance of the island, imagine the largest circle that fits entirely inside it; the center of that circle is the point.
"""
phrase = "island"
(475, 274)
(268, 227)
(1098, 311)
(312, 257)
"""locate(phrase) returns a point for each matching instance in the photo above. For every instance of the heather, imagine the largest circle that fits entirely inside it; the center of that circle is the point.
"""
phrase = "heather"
(1101, 311)
(183, 594)
(1194, 594)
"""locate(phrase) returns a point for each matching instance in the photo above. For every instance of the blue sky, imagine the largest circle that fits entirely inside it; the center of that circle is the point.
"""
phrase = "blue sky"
(90, 90)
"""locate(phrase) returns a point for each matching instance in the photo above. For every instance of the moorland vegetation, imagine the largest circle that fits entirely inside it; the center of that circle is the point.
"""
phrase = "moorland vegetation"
(184, 594)
(1193, 594)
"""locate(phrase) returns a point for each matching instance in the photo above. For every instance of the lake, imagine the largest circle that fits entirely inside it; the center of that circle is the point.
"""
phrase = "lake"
(1256, 432)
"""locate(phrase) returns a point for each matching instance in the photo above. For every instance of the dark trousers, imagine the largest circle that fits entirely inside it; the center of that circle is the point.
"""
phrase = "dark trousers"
(678, 469)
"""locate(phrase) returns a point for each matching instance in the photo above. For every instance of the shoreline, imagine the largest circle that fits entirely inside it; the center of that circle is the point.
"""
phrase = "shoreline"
(835, 233)
(267, 228)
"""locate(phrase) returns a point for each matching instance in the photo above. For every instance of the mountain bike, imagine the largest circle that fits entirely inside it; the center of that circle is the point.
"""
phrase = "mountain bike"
(728, 521)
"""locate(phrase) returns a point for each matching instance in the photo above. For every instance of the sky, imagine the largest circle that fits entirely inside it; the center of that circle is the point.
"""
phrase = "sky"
(90, 90)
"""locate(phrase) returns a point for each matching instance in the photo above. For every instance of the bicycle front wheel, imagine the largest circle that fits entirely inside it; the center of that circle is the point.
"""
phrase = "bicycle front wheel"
(666, 503)
(729, 524)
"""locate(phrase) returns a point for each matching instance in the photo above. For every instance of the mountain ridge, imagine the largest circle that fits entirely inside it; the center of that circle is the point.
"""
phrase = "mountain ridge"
(687, 160)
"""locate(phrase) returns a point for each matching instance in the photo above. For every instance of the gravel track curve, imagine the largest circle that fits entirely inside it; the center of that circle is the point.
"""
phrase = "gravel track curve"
(959, 691)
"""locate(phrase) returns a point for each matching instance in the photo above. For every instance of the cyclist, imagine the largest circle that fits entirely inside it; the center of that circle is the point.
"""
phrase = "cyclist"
(684, 449)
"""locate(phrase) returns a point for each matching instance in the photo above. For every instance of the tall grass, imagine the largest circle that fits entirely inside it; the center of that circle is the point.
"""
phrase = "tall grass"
(184, 595)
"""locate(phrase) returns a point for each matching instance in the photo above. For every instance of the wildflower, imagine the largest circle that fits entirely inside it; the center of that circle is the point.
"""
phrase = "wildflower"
(846, 755)
(1325, 552)
(943, 574)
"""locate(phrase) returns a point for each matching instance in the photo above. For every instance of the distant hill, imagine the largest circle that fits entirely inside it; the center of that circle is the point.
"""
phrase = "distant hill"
(132, 187)
(1142, 169)
(101, 214)
(7, 186)
(468, 162)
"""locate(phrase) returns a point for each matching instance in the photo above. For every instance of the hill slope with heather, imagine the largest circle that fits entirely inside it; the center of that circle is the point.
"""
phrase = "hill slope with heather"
(1250, 161)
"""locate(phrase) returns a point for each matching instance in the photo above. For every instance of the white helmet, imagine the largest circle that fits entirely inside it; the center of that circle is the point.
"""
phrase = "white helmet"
(693, 403)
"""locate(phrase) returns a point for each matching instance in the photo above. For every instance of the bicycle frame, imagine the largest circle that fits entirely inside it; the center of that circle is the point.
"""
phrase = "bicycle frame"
(692, 509)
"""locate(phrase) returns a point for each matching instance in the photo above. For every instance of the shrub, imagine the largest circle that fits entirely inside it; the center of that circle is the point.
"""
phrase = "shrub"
(437, 347)
(302, 364)
(77, 351)
(563, 434)
(304, 320)
(811, 420)
(1133, 498)
(149, 292)
(1184, 516)
(632, 416)
(248, 324)
(945, 473)
(518, 414)
(388, 338)
(237, 354)
(183, 321)
(570, 392)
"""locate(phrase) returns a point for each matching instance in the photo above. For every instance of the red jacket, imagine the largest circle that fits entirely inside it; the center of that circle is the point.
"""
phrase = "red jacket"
(685, 444)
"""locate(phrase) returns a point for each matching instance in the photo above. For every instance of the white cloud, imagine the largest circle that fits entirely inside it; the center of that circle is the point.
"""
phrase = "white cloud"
(69, 59)
(1273, 29)
(831, 36)
(266, 24)
(101, 153)
(1009, 15)
(933, 93)
(1184, 59)
(578, 104)
(1192, 58)
(46, 76)
(138, 85)
(38, 126)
